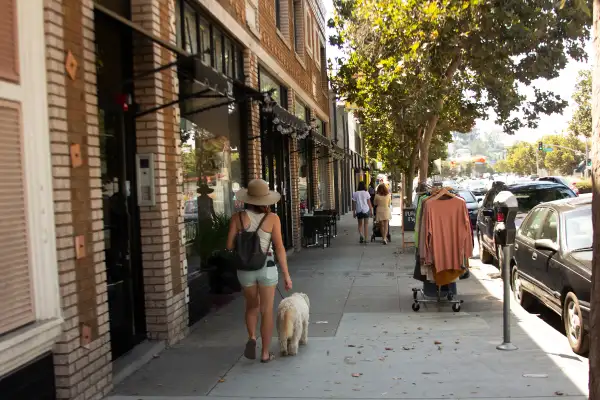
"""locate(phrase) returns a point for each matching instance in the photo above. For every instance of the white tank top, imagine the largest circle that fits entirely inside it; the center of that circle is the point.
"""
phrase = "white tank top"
(265, 237)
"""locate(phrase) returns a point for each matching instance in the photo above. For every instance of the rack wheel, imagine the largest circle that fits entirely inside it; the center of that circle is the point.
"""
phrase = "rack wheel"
(456, 307)
(416, 307)
(414, 294)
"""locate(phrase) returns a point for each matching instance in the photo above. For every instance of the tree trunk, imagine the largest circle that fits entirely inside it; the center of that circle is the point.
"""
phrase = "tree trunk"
(410, 173)
(426, 142)
(432, 123)
(594, 328)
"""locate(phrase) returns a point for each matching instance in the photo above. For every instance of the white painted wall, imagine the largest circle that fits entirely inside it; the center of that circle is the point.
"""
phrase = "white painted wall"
(27, 343)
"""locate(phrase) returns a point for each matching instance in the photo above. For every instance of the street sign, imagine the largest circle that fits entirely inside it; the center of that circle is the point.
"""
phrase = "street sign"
(548, 149)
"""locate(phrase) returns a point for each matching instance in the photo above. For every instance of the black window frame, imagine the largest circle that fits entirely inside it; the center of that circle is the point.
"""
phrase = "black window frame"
(236, 71)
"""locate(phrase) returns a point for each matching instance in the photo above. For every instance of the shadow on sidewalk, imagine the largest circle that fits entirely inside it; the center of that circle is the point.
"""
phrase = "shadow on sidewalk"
(362, 324)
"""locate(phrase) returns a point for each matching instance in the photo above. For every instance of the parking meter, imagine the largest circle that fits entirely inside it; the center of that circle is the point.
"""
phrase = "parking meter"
(505, 230)
(505, 213)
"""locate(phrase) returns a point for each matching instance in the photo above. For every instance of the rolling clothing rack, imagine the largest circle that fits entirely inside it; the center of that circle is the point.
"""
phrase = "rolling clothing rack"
(439, 284)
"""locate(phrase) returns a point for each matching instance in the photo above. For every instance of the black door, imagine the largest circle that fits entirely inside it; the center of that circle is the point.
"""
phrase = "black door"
(276, 171)
(124, 276)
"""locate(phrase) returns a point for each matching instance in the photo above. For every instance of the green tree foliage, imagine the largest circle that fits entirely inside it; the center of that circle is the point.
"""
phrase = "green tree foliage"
(502, 167)
(449, 61)
(581, 121)
(563, 160)
(521, 158)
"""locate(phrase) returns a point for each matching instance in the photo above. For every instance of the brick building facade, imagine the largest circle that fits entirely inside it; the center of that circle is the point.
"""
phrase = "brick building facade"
(109, 103)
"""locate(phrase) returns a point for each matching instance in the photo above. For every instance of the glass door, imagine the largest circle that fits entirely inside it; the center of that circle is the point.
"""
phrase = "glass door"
(124, 276)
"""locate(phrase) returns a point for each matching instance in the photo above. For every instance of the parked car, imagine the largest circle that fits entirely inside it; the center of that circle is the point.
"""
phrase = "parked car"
(552, 262)
(528, 195)
(560, 179)
(478, 187)
(472, 205)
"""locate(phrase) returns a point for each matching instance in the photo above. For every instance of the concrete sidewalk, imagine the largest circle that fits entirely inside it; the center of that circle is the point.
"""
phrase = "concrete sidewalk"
(365, 342)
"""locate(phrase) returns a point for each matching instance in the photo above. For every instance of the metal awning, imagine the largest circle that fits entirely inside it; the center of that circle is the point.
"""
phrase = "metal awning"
(288, 118)
(200, 87)
(320, 139)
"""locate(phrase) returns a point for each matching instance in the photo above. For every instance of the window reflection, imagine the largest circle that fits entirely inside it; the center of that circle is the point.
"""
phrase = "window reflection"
(191, 30)
(212, 176)
(268, 83)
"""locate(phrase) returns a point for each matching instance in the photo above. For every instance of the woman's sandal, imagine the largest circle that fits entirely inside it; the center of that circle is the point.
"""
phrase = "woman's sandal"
(271, 358)
(250, 350)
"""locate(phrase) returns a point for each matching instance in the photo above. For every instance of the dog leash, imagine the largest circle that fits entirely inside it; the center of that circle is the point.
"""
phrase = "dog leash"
(279, 290)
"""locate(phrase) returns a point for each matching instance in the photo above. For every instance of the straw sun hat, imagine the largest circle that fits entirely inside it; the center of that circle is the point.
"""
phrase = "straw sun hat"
(258, 194)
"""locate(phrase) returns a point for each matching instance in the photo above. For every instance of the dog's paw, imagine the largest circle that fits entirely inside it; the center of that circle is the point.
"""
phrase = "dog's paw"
(304, 342)
(284, 353)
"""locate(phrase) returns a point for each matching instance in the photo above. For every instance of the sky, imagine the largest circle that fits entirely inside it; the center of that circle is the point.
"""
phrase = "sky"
(564, 85)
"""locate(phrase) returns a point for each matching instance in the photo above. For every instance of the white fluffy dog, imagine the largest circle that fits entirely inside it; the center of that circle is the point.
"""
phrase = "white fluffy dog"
(292, 323)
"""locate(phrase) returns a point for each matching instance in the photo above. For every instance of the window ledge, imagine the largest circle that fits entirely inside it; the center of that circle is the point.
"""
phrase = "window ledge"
(282, 37)
(27, 343)
(300, 60)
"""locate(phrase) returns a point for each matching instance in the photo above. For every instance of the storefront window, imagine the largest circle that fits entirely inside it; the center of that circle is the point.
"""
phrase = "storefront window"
(205, 42)
(323, 177)
(228, 58)
(212, 171)
(190, 30)
(304, 175)
(268, 83)
(215, 49)
(218, 45)
(300, 110)
(320, 126)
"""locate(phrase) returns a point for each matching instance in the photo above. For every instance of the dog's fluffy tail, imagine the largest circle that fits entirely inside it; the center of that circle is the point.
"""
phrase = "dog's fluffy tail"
(288, 322)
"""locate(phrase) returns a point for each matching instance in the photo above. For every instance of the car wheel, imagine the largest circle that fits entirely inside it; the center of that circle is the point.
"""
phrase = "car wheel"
(484, 255)
(573, 321)
(521, 297)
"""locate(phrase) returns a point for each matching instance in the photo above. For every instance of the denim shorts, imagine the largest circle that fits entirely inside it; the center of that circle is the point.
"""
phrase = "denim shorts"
(362, 215)
(266, 276)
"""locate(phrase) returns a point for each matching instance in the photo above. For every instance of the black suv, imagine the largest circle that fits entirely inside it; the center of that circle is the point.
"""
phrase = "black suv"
(528, 194)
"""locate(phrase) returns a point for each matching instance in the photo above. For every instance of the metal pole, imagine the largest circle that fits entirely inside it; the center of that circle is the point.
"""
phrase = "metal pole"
(537, 163)
(506, 345)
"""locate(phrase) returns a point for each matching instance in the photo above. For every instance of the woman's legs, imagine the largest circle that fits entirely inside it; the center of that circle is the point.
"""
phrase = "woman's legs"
(384, 230)
(366, 228)
(360, 228)
(267, 297)
(252, 308)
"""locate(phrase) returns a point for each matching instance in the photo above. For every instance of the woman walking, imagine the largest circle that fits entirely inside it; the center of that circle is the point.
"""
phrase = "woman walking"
(259, 285)
(362, 210)
(383, 212)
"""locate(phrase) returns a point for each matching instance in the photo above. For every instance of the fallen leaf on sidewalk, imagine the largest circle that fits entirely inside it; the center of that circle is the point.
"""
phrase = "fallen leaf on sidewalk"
(389, 348)
(396, 378)
(221, 380)
(356, 389)
(437, 342)
(559, 393)
(419, 328)
(381, 358)
(351, 345)
(356, 374)
(407, 348)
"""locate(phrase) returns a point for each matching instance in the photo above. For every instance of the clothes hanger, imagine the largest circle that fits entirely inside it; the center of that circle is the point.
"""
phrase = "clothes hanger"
(442, 192)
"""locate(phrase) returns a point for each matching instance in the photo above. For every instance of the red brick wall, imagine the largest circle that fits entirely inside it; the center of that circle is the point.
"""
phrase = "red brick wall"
(83, 370)
(158, 133)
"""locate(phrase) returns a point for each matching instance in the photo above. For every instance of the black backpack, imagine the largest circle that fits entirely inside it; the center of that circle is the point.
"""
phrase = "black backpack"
(248, 255)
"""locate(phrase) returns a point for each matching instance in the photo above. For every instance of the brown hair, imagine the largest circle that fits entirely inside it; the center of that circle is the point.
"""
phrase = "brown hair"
(382, 190)
(258, 209)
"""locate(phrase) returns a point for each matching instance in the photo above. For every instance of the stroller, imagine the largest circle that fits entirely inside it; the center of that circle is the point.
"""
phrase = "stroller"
(377, 228)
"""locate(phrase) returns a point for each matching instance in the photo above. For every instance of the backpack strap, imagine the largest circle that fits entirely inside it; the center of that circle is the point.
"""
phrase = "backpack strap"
(243, 229)
(258, 227)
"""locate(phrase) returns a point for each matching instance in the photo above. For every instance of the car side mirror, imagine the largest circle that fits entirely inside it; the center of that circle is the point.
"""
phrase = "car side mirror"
(546, 244)
(488, 212)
